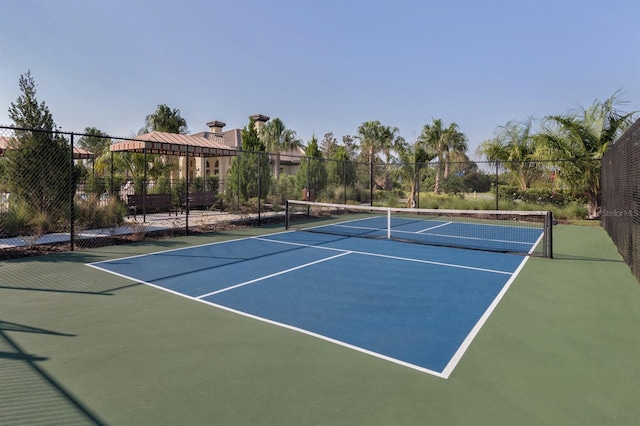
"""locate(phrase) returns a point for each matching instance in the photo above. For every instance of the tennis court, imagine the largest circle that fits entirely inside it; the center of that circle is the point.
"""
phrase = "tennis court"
(80, 345)
(415, 305)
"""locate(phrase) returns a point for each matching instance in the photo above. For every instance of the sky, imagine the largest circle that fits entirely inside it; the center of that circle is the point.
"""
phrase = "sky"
(319, 65)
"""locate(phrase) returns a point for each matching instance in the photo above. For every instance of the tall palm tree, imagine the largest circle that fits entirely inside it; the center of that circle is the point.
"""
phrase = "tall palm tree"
(435, 137)
(375, 138)
(515, 148)
(412, 158)
(580, 139)
(456, 143)
(277, 138)
(165, 119)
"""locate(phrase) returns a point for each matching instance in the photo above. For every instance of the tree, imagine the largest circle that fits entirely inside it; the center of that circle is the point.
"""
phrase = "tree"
(94, 140)
(249, 167)
(375, 138)
(579, 139)
(313, 172)
(455, 144)
(350, 145)
(515, 148)
(340, 169)
(133, 164)
(412, 160)
(329, 145)
(165, 119)
(277, 138)
(39, 169)
(438, 139)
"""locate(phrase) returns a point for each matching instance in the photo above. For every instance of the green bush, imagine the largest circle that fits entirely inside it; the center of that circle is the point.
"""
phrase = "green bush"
(93, 214)
(286, 188)
(15, 220)
(554, 197)
(162, 186)
(212, 183)
(94, 184)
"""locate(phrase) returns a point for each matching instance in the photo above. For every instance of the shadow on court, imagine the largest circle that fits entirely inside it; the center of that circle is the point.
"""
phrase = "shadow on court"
(585, 258)
(28, 393)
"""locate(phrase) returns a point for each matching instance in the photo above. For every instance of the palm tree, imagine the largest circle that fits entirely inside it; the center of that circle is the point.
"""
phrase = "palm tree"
(516, 149)
(412, 158)
(277, 138)
(375, 138)
(580, 139)
(94, 140)
(456, 144)
(435, 137)
(165, 119)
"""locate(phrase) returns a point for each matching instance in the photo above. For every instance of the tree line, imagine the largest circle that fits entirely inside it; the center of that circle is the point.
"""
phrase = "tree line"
(566, 147)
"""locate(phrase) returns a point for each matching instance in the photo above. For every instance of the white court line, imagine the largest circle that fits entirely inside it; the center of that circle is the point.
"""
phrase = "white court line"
(461, 237)
(433, 227)
(476, 329)
(337, 225)
(271, 275)
(326, 338)
(184, 248)
(406, 259)
(279, 324)
(424, 231)
(444, 374)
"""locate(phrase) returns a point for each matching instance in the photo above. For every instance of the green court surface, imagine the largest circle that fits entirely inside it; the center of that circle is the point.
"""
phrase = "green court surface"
(81, 346)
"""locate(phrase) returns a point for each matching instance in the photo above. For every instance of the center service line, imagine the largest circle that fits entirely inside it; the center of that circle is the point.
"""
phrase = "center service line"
(273, 275)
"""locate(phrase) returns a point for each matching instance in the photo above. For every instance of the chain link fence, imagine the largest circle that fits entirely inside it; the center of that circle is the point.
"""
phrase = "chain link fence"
(620, 184)
(64, 191)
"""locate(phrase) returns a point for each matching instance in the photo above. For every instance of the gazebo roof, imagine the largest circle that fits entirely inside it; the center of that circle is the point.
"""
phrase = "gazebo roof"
(174, 144)
(78, 153)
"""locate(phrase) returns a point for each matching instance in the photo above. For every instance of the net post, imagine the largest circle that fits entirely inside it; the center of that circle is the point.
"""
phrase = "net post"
(389, 224)
(549, 235)
(286, 214)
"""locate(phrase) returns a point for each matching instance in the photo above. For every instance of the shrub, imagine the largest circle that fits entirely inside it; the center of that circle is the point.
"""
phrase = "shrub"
(92, 214)
(555, 197)
(15, 219)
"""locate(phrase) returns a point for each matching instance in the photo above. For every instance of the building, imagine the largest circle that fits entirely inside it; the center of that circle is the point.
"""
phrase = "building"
(203, 154)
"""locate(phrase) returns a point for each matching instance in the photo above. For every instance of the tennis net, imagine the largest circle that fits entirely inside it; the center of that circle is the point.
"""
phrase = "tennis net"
(523, 232)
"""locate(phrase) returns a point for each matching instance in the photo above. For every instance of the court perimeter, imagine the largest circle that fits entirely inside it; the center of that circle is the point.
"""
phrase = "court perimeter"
(81, 346)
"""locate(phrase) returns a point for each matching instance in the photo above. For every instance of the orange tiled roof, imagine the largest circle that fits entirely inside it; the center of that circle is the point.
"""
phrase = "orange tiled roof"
(174, 144)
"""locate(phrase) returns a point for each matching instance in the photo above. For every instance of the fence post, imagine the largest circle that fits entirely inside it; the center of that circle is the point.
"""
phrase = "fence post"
(344, 179)
(308, 178)
(112, 182)
(73, 193)
(144, 188)
(418, 185)
(259, 187)
(239, 159)
(497, 183)
(371, 179)
(186, 192)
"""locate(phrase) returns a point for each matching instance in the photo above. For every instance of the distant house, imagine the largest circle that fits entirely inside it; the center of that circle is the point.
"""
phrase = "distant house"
(289, 160)
(203, 154)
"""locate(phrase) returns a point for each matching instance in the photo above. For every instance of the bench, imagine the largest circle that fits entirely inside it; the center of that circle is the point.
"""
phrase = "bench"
(149, 202)
(198, 199)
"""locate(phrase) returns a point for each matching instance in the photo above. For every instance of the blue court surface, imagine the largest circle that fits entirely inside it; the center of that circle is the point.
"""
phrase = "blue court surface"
(415, 305)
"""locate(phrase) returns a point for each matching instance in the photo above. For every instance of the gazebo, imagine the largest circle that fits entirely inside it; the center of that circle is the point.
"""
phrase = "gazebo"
(78, 153)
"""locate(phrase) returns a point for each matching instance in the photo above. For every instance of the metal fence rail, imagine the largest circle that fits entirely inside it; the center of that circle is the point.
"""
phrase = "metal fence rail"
(620, 185)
